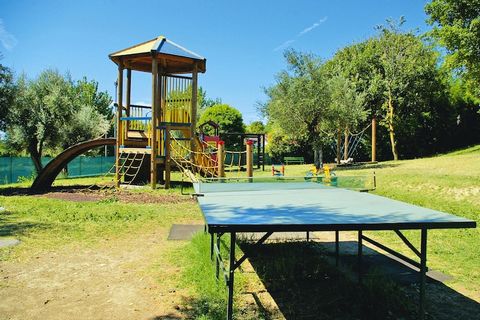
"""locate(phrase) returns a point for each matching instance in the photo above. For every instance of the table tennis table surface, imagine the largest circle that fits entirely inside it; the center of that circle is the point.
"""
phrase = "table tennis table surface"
(310, 206)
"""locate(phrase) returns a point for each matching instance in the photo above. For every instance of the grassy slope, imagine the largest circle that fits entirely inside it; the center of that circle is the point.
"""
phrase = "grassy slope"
(449, 183)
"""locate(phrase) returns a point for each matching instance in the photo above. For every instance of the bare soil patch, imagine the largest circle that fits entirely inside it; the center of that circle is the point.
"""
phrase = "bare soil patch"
(110, 281)
(121, 196)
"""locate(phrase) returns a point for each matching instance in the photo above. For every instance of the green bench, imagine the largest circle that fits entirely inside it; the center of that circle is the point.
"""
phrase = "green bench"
(291, 160)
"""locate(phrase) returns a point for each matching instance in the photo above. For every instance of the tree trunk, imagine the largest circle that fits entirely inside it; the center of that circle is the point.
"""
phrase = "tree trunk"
(339, 141)
(374, 139)
(345, 145)
(391, 128)
(318, 156)
(35, 156)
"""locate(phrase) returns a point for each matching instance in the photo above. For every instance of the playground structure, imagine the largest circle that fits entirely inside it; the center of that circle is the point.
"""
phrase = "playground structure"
(166, 131)
(149, 129)
(258, 141)
(151, 141)
(278, 170)
(46, 177)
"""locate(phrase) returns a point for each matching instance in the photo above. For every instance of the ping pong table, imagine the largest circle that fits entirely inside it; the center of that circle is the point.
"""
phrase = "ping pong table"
(233, 206)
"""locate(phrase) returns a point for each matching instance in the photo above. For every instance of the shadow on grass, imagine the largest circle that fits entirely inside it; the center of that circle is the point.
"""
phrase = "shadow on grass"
(305, 284)
(166, 317)
(9, 227)
(26, 191)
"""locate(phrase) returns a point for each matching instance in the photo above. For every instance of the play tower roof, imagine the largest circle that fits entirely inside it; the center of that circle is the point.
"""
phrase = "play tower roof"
(172, 57)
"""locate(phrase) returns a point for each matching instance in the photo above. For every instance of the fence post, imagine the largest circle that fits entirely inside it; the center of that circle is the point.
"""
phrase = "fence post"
(249, 158)
(220, 159)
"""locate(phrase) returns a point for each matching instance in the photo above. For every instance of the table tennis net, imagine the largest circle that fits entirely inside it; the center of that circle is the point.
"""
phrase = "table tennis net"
(216, 185)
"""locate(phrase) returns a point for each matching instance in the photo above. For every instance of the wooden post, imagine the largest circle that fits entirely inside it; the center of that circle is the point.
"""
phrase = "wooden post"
(161, 87)
(339, 141)
(167, 156)
(129, 92)
(249, 158)
(220, 159)
(345, 145)
(155, 106)
(127, 100)
(119, 124)
(374, 139)
(193, 110)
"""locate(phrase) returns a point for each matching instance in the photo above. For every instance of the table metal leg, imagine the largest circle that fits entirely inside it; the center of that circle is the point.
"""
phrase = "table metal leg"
(217, 262)
(423, 271)
(231, 276)
(360, 249)
(337, 248)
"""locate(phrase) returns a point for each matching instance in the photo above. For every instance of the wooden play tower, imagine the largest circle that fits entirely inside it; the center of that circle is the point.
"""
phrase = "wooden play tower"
(147, 130)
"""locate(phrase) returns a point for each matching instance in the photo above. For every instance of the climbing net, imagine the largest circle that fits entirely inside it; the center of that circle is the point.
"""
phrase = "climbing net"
(192, 162)
(205, 161)
(130, 164)
(235, 160)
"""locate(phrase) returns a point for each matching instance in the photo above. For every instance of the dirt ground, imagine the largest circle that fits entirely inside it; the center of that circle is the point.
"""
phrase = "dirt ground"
(125, 278)
(110, 281)
(122, 196)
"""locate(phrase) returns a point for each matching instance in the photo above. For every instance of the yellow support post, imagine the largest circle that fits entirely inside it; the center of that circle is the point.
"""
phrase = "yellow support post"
(193, 108)
(220, 159)
(127, 98)
(374, 139)
(167, 157)
(119, 124)
(155, 106)
(249, 158)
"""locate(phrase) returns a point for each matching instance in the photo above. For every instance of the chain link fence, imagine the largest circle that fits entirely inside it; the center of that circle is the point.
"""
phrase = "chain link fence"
(16, 169)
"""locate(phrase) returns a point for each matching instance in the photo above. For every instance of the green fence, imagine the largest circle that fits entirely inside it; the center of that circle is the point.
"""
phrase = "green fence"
(14, 169)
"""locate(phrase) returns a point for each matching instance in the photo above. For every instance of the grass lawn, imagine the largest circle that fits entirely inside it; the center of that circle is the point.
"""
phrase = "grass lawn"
(181, 273)
(449, 183)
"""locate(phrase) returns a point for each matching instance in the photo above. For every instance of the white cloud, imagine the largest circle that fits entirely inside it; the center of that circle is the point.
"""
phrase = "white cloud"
(7, 39)
(313, 26)
(301, 33)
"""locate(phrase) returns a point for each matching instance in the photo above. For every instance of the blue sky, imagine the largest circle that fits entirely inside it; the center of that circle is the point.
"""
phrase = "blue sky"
(243, 41)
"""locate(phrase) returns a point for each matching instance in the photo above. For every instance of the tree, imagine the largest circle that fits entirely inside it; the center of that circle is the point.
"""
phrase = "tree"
(7, 94)
(397, 71)
(359, 64)
(456, 26)
(229, 120)
(256, 127)
(87, 93)
(50, 112)
(204, 102)
(405, 64)
(92, 114)
(41, 110)
(346, 109)
(298, 102)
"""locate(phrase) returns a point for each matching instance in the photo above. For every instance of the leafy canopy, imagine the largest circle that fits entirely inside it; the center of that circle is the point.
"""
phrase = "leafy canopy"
(53, 112)
(229, 120)
(7, 94)
(456, 26)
